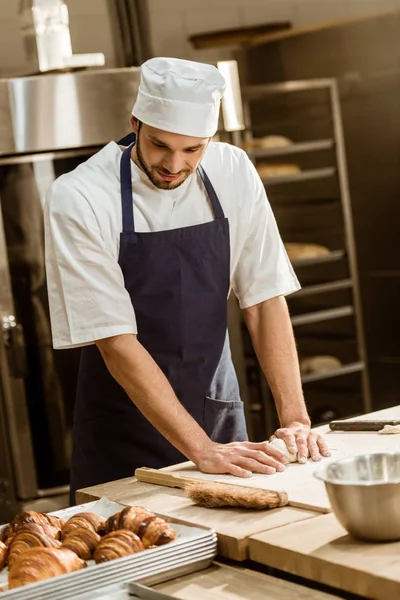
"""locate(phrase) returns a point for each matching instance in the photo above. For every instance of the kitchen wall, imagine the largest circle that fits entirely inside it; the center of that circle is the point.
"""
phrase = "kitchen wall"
(90, 32)
(173, 21)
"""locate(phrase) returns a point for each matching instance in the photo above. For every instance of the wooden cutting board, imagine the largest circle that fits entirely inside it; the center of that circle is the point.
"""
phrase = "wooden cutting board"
(233, 525)
(298, 481)
(321, 550)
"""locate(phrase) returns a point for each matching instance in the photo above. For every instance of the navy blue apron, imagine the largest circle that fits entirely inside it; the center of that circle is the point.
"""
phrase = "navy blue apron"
(178, 281)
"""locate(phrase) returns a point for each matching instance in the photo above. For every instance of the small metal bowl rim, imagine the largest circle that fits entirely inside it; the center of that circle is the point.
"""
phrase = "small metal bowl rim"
(320, 472)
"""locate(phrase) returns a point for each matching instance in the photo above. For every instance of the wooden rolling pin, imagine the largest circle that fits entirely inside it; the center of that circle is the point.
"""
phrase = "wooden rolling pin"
(213, 494)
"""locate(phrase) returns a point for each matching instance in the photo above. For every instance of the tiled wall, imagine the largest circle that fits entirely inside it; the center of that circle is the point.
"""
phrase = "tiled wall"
(173, 21)
(89, 25)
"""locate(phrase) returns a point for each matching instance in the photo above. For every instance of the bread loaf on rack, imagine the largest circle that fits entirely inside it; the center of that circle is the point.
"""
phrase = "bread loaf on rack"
(82, 541)
(3, 555)
(116, 544)
(85, 520)
(38, 564)
(27, 537)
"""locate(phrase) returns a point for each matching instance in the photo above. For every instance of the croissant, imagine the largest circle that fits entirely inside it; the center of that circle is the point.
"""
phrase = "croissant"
(37, 564)
(86, 520)
(128, 518)
(116, 544)
(47, 530)
(82, 541)
(51, 523)
(26, 538)
(155, 531)
(3, 555)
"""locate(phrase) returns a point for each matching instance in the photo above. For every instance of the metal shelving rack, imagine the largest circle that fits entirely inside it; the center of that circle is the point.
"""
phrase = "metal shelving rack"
(338, 171)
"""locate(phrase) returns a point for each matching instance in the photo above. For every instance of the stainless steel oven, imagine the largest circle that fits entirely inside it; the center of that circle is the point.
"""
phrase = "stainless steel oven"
(48, 125)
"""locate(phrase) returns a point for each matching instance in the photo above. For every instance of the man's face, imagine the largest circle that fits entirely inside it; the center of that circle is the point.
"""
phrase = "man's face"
(167, 158)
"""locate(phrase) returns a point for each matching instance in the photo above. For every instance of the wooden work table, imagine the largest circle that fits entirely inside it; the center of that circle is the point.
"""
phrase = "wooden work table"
(301, 542)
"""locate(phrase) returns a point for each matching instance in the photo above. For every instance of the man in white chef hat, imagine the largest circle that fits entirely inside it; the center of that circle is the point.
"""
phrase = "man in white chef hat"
(143, 243)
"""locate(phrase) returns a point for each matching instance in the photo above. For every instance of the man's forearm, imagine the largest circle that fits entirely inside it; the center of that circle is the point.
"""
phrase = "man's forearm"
(134, 369)
(273, 339)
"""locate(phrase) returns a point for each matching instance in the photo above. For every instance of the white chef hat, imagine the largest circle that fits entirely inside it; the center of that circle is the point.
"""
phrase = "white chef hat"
(180, 96)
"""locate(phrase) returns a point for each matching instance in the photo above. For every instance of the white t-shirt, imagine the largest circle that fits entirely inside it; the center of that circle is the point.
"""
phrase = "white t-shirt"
(83, 221)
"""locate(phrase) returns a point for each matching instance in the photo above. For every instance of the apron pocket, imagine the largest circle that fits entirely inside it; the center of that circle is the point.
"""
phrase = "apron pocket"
(225, 422)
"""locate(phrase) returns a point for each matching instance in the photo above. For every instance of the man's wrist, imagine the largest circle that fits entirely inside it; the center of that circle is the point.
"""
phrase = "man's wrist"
(298, 420)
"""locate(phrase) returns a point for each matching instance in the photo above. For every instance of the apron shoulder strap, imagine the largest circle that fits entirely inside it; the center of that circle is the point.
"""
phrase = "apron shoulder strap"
(215, 203)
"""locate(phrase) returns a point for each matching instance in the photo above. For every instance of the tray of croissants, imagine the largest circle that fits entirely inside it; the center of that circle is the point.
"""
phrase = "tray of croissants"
(83, 548)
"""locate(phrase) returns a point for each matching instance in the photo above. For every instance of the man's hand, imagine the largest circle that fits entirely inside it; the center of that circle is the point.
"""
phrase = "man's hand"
(299, 437)
(241, 459)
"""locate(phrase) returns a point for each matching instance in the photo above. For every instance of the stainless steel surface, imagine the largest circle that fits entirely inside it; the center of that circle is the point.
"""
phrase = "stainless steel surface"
(323, 315)
(232, 107)
(322, 288)
(364, 492)
(288, 150)
(69, 110)
(47, 38)
(14, 414)
(302, 176)
(350, 239)
(345, 370)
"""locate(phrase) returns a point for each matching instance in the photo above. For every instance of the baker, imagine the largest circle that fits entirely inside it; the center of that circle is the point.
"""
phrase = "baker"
(144, 242)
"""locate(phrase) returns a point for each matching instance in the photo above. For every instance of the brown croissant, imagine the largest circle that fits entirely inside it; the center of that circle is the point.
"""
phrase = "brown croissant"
(26, 538)
(86, 520)
(155, 531)
(50, 523)
(3, 555)
(38, 564)
(82, 541)
(47, 530)
(128, 518)
(116, 544)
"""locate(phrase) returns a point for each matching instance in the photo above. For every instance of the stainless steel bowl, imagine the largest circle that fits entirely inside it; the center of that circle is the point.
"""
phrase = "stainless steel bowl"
(365, 494)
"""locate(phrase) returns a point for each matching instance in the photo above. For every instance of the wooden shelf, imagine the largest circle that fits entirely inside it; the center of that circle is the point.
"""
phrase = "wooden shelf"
(322, 288)
(315, 146)
(323, 315)
(311, 174)
(345, 370)
(325, 258)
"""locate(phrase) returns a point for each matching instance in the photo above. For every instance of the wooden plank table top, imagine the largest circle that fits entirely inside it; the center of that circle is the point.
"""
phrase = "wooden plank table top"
(221, 582)
(321, 550)
(233, 526)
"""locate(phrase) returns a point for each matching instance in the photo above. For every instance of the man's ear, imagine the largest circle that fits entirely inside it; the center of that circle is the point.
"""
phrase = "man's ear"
(134, 124)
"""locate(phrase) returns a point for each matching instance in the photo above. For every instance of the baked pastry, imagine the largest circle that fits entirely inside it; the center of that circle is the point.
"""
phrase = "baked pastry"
(319, 364)
(268, 141)
(303, 251)
(116, 544)
(128, 518)
(82, 541)
(38, 564)
(3, 555)
(152, 530)
(27, 537)
(86, 520)
(52, 525)
(277, 170)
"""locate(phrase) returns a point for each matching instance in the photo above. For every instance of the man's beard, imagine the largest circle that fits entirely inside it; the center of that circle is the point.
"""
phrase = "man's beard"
(162, 185)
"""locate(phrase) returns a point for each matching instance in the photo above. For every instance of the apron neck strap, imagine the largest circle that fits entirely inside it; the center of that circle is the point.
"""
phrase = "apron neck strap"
(215, 203)
(128, 223)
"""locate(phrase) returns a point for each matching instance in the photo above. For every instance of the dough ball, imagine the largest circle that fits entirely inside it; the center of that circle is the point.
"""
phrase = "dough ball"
(281, 446)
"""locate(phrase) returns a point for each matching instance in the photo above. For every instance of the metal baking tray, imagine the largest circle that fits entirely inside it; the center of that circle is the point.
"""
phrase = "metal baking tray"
(192, 544)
